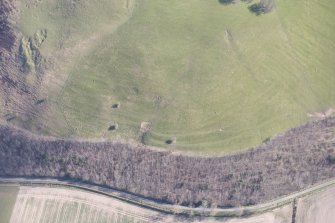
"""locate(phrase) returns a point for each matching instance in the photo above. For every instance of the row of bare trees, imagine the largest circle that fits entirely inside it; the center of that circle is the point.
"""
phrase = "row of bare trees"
(299, 158)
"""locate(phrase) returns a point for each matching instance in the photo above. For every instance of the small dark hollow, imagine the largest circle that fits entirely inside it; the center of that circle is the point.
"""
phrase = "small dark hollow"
(10, 118)
(266, 140)
(112, 128)
(115, 105)
(169, 141)
(331, 159)
(40, 101)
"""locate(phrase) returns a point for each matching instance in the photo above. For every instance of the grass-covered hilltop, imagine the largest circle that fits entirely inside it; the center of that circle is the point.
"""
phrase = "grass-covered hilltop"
(194, 75)
(167, 110)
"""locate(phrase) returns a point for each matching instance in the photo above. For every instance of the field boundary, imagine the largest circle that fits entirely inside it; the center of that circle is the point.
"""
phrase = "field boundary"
(167, 208)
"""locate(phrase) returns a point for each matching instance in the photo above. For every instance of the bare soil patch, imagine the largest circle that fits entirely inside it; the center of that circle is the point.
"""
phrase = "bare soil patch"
(280, 215)
(36, 204)
(317, 208)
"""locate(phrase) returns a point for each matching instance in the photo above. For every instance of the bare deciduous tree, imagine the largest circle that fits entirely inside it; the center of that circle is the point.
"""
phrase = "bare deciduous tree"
(297, 159)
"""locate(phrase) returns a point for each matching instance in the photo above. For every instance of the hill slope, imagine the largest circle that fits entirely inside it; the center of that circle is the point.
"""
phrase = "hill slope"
(192, 75)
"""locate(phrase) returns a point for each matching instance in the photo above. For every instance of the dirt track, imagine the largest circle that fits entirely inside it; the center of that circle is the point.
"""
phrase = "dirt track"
(315, 205)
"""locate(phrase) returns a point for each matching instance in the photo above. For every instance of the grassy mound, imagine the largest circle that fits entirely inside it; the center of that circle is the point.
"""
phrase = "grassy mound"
(200, 75)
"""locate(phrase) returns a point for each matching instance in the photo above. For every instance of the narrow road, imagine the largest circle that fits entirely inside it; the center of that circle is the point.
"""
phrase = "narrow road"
(167, 208)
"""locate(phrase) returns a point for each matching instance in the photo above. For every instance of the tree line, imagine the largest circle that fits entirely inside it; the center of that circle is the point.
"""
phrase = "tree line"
(295, 160)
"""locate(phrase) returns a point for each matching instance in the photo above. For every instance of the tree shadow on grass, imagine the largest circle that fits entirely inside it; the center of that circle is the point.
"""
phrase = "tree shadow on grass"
(226, 2)
(262, 7)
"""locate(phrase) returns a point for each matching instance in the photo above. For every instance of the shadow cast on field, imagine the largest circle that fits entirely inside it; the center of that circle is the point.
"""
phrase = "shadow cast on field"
(226, 2)
(262, 7)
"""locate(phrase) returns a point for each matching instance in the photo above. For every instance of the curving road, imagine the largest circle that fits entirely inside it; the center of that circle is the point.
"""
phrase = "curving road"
(168, 208)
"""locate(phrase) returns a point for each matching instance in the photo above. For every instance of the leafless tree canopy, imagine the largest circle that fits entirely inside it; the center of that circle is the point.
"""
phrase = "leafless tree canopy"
(297, 159)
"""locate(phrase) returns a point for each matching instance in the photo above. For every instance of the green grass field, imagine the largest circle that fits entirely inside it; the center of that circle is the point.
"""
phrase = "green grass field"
(208, 77)
(7, 201)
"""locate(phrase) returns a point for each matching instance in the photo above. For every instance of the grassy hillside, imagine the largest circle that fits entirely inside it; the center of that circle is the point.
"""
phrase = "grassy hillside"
(193, 75)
